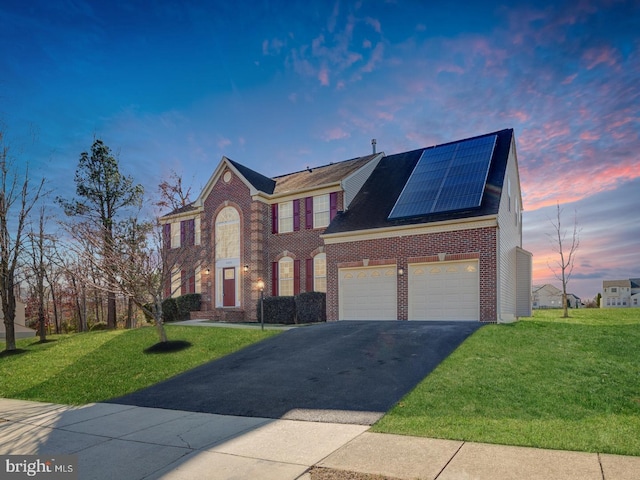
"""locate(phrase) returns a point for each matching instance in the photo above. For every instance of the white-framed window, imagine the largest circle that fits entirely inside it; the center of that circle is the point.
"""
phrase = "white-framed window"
(614, 290)
(285, 217)
(175, 235)
(320, 273)
(227, 233)
(285, 277)
(321, 212)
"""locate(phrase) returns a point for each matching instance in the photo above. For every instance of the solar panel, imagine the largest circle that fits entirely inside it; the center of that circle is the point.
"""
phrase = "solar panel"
(448, 177)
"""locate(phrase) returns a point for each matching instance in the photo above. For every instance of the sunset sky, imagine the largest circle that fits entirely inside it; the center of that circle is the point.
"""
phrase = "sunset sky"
(279, 85)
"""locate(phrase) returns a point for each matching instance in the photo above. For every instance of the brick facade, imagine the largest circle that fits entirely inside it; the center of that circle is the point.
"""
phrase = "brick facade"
(352, 239)
(477, 243)
(259, 247)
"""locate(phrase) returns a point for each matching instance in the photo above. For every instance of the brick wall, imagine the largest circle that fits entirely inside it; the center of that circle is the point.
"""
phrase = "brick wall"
(300, 245)
(474, 243)
(259, 247)
(235, 194)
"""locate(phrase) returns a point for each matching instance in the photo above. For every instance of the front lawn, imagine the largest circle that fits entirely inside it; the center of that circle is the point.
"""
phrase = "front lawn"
(548, 382)
(96, 366)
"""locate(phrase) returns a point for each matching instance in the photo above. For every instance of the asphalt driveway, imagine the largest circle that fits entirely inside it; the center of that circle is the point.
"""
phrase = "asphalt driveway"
(343, 372)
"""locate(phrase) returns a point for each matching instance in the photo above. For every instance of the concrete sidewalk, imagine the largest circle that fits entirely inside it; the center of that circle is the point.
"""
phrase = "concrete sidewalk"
(122, 441)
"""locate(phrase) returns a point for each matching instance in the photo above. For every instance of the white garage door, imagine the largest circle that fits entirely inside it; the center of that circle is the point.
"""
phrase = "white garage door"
(368, 293)
(444, 291)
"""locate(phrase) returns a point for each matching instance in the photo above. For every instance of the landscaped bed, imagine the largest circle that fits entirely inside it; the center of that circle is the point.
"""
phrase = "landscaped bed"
(548, 382)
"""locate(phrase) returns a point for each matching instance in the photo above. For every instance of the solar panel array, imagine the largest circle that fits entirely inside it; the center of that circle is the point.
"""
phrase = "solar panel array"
(446, 178)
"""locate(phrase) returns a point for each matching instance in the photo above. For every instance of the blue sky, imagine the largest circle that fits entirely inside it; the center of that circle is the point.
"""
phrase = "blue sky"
(279, 85)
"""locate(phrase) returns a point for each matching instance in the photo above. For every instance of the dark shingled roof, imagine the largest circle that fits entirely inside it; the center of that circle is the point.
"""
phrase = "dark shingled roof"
(185, 209)
(317, 176)
(372, 205)
(259, 181)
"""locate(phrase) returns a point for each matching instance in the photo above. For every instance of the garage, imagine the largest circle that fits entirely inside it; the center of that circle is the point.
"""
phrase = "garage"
(444, 291)
(368, 293)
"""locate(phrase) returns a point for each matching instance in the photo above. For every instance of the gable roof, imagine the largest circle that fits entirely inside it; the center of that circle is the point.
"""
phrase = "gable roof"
(317, 176)
(370, 209)
(259, 181)
(616, 283)
(547, 287)
(291, 182)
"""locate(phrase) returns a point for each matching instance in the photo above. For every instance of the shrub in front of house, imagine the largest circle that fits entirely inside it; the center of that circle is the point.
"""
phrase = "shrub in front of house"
(311, 307)
(186, 304)
(170, 310)
(279, 310)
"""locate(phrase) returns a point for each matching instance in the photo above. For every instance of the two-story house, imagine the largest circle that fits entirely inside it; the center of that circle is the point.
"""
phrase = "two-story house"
(550, 296)
(431, 234)
(620, 293)
(245, 227)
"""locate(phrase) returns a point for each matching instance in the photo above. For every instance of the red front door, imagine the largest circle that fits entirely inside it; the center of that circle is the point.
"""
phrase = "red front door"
(229, 287)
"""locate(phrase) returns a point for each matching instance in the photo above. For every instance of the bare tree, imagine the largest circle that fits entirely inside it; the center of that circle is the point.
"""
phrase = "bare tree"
(17, 198)
(566, 249)
(38, 241)
(172, 193)
(139, 267)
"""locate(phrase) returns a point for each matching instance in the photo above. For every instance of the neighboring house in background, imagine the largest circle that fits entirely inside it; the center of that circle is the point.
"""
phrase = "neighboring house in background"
(431, 234)
(573, 301)
(549, 296)
(620, 293)
(21, 330)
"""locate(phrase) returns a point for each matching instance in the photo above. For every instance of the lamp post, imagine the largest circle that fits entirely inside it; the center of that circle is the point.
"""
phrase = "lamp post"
(261, 288)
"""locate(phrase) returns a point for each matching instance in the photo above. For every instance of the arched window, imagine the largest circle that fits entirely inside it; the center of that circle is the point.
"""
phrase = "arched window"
(227, 234)
(320, 273)
(285, 277)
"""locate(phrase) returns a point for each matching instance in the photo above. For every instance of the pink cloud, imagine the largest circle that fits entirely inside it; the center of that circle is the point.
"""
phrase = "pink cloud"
(374, 23)
(601, 55)
(335, 134)
(450, 68)
(519, 115)
(548, 186)
(385, 116)
(223, 143)
(376, 57)
(323, 76)
(589, 136)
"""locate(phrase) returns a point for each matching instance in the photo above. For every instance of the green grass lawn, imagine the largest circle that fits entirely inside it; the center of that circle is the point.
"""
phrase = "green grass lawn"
(570, 384)
(96, 366)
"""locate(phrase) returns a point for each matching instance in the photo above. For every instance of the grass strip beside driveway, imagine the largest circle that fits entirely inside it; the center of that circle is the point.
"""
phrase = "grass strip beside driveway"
(545, 382)
(96, 366)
